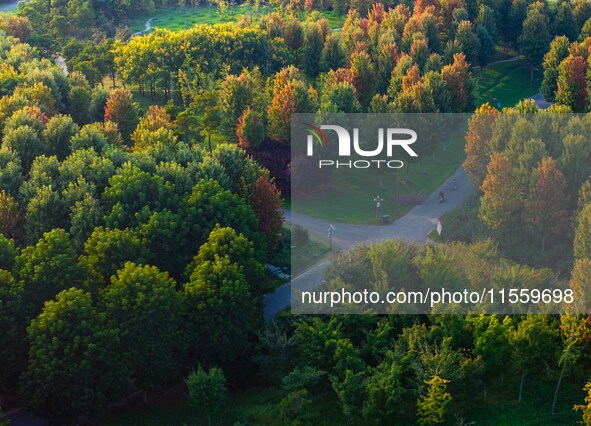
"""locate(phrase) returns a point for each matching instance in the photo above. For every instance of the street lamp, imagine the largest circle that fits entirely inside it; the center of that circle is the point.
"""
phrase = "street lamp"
(378, 200)
(331, 229)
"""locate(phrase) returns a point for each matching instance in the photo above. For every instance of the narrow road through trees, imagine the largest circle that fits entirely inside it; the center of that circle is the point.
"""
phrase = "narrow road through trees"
(414, 226)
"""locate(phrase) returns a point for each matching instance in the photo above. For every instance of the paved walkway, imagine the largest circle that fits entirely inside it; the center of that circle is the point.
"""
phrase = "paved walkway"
(6, 7)
(21, 417)
(62, 63)
(414, 226)
(541, 102)
(148, 27)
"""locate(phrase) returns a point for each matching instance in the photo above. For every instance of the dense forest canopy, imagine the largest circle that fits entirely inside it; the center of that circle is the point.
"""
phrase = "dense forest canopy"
(134, 238)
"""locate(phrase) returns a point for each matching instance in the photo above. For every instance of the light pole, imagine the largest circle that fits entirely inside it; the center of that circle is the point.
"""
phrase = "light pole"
(378, 200)
(331, 229)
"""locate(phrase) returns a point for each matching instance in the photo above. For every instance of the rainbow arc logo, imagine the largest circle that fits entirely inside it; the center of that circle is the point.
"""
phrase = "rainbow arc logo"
(315, 134)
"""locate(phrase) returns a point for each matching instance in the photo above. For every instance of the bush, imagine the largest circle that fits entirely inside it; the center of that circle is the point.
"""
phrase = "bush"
(206, 390)
(299, 236)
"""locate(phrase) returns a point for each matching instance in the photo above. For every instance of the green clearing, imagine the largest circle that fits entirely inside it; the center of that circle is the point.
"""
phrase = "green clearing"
(259, 406)
(507, 82)
(501, 54)
(402, 188)
(182, 18)
(144, 101)
(302, 258)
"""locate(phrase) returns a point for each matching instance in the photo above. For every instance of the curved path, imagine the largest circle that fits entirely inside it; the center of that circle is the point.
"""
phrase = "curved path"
(540, 101)
(148, 27)
(414, 226)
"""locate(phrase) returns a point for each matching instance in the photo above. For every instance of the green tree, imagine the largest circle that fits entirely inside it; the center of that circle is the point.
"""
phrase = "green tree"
(312, 49)
(132, 191)
(384, 392)
(226, 242)
(486, 18)
(74, 364)
(469, 41)
(534, 39)
(580, 283)
(557, 53)
(25, 142)
(11, 219)
(431, 407)
(492, 344)
(209, 205)
(56, 136)
(13, 323)
(224, 315)
(531, 342)
(207, 390)
(436, 269)
(574, 163)
(144, 305)
(585, 30)
(236, 94)
(46, 211)
(11, 175)
(294, 409)
(351, 391)
(333, 54)
(8, 253)
(155, 119)
(89, 137)
(339, 97)
(47, 268)
(575, 332)
(363, 77)
(79, 102)
(108, 250)
(582, 11)
(487, 45)
(585, 409)
(565, 23)
(582, 243)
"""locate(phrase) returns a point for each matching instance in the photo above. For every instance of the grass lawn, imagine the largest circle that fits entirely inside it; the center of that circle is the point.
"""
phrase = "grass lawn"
(500, 53)
(143, 101)
(302, 258)
(182, 18)
(508, 82)
(402, 190)
(299, 259)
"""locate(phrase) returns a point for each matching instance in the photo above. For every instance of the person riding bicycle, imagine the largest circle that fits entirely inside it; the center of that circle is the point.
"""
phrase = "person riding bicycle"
(455, 183)
(441, 196)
